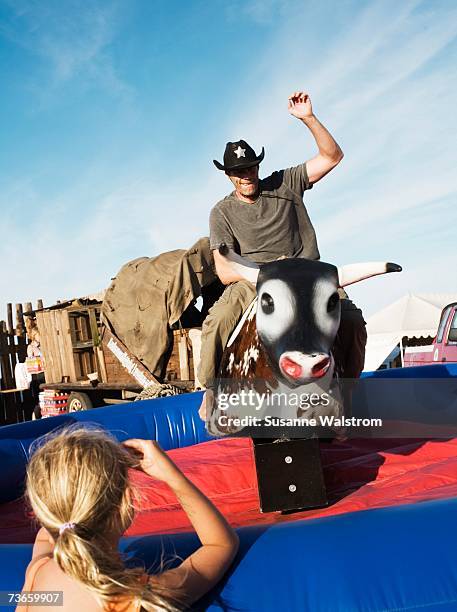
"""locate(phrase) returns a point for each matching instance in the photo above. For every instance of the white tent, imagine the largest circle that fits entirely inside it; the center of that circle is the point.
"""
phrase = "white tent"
(413, 315)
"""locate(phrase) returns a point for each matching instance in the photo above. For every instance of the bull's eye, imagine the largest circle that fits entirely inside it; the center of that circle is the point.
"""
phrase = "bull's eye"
(276, 310)
(333, 302)
(267, 303)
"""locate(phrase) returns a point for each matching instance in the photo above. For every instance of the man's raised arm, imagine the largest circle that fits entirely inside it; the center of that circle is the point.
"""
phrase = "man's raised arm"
(330, 153)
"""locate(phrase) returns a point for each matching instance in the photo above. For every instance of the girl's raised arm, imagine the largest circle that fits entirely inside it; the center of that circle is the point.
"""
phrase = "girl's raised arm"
(203, 569)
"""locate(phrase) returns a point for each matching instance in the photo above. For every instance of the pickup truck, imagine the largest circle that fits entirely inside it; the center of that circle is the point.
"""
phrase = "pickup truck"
(444, 347)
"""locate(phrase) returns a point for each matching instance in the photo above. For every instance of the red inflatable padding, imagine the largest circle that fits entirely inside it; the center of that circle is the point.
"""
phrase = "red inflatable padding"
(359, 474)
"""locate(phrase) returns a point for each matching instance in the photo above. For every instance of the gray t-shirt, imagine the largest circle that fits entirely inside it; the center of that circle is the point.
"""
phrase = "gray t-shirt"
(276, 224)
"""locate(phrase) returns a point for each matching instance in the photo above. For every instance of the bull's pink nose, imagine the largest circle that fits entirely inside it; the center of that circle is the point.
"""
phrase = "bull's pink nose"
(321, 367)
(299, 365)
(290, 367)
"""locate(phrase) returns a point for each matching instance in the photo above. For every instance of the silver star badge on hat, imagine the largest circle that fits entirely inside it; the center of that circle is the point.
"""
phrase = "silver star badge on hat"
(240, 152)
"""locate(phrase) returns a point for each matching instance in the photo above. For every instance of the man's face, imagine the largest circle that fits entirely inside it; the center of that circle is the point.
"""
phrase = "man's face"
(246, 181)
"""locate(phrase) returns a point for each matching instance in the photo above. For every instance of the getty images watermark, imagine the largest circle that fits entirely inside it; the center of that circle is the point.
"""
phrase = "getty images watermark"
(250, 408)
(373, 407)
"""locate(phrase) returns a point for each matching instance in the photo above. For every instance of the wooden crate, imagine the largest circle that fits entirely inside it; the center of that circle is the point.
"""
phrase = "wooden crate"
(69, 342)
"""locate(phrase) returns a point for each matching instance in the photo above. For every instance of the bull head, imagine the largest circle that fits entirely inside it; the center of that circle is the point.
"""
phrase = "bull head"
(298, 310)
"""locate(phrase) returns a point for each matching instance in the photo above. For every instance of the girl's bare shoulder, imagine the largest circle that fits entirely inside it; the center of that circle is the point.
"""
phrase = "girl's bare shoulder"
(76, 597)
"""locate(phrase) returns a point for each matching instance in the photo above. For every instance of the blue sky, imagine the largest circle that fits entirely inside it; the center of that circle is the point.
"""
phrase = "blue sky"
(111, 114)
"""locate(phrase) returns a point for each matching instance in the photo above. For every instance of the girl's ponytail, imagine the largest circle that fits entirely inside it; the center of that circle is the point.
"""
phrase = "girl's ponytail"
(101, 570)
(77, 484)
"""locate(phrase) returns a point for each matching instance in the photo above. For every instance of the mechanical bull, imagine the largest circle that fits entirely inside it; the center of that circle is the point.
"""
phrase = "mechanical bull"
(284, 340)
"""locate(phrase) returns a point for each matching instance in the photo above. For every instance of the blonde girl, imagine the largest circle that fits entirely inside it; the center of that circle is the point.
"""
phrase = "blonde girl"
(78, 487)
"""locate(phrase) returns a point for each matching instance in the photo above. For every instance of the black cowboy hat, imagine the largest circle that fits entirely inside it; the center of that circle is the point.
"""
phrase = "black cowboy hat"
(239, 155)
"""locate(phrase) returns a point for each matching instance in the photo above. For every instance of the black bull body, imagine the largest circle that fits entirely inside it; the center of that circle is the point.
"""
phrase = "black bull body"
(284, 341)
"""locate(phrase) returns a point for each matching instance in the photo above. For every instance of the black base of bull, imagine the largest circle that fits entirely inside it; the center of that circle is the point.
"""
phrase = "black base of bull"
(289, 474)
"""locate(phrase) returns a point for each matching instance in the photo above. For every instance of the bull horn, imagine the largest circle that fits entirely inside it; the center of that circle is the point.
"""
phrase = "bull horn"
(245, 268)
(353, 273)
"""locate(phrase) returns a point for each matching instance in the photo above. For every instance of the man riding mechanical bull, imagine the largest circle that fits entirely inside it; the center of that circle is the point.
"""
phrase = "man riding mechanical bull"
(264, 220)
(261, 221)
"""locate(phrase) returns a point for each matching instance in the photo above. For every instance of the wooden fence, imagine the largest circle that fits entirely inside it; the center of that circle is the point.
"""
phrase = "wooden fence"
(15, 405)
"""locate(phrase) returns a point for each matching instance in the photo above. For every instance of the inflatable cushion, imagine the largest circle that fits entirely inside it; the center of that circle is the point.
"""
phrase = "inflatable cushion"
(359, 475)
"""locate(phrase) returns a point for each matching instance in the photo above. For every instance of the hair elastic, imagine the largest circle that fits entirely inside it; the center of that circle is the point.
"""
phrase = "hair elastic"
(65, 526)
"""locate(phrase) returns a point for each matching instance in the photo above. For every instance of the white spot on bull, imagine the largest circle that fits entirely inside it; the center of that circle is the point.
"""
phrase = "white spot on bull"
(254, 353)
(273, 325)
(231, 362)
(242, 366)
(251, 354)
(322, 290)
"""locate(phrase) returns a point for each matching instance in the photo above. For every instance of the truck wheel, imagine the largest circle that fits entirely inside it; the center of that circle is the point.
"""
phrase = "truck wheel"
(78, 401)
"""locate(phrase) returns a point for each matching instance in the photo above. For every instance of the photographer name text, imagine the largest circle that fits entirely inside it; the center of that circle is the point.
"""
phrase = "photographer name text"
(225, 420)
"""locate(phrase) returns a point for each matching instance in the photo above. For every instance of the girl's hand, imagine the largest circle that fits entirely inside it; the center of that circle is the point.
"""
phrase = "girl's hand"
(153, 460)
